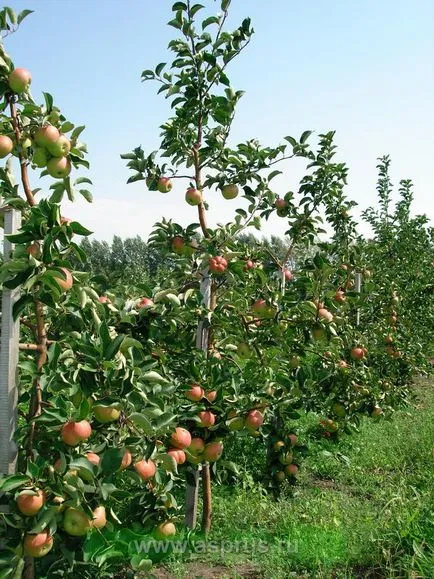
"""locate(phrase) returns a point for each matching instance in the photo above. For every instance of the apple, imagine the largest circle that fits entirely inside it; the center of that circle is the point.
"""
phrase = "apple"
(263, 309)
(19, 80)
(237, 423)
(377, 411)
(6, 146)
(211, 396)
(278, 445)
(75, 522)
(340, 297)
(393, 319)
(181, 438)
(34, 249)
(126, 459)
(104, 300)
(99, 519)
(344, 266)
(165, 530)
(93, 458)
(207, 419)
(75, 432)
(230, 191)
(64, 280)
(213, 451)
(318, 332)
(145, 468)
(59, 168)
(193, 196)
(30, 504)
(217, 265)
(164, 185)
(293, 439)
(178, 455)
(291, 469)
(195, 394)
(288, 275)
(339, 410)
(281, 204)
(294, 361)
(107, 413)
(60, 147)
(144, 303)
(357, 353)
(254, 419)
(367, 273)
(46, 135)
(286, 458)
(249, 265)
(26, 142)
(178, 245)
(197, 446)
(38, 545)
(243, 351)
(279, 476)
(342, 364)
(388, 339)
(325, 315)
(40, 157)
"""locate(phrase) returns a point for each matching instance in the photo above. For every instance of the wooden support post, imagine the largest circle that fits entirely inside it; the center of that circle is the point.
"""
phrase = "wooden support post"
(8, 357)
(192, 483)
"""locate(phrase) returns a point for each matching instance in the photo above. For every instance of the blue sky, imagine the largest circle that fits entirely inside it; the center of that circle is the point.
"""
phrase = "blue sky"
(364, 69)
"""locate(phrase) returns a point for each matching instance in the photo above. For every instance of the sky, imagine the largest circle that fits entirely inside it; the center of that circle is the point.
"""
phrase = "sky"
(363, 69)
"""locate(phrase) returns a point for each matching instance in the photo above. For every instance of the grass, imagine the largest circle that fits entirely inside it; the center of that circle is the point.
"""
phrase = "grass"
(363, 507)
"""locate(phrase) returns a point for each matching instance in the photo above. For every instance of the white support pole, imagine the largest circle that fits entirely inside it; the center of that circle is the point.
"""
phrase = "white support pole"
(358, 287)
(9, 350)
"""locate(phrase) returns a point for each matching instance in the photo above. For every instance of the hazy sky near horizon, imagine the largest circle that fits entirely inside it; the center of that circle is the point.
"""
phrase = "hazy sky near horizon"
(364, 69)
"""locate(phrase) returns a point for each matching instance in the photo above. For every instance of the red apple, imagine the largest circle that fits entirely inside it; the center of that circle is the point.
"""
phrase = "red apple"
(178, 245)
(254, 419)
(291, 469)
(104, 300)
(126, 459)
(342, 364)
(19, 80)
(164, 185)
(93, 458)
(38, 545)
(177, 454)
(281, 203)
(292, 439)
(340, 296)
(6, 146)
(207, 419)
(30, 504)
(75, 432)
(99, 519)
(263, 309)
(193, 196)
(325, 315)
(144, 303)
(213, 451)
(288, 274)
(217, 265)
(195, 394)
(46, 135)
(145, 468)
(181, 438)
(64, 280)
(357, 353)
(211, 396)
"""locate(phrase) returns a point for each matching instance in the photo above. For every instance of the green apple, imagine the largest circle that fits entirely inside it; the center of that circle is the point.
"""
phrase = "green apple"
(75, 522)
(59, 168)
(19, 80)
(59, 148)
(6, 146)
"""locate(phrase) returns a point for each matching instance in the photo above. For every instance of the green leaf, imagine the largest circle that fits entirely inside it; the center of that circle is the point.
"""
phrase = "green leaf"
(113, 348)
(153, 376)
(66, 127)
(20, 305)
(104, 334)
(179, 6)
(128, 343)
(195, 9)
(23, 15)
(9, 483)
(86, 194)
(111, 460)
(48, 102)
(142, 422)
(209, 21)
(79, 229)
(159, 68)
(19, 279)
(225, 5)
(305, 136)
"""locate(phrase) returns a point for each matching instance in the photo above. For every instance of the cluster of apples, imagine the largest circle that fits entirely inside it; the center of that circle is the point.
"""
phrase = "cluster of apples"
(250, 421)
(193, 196)
(50, 147)
(283, 450)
